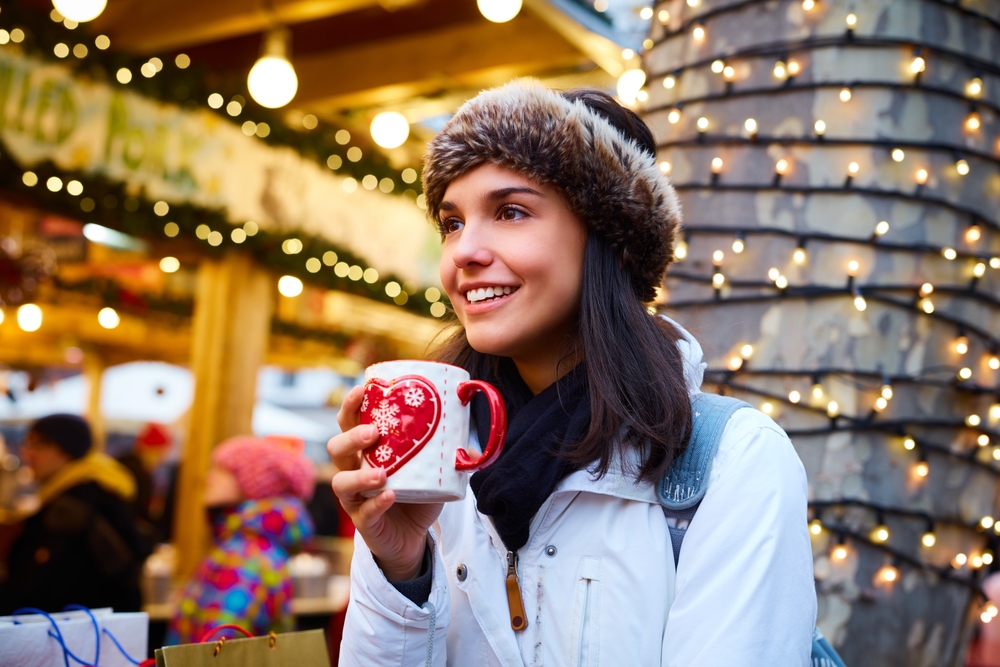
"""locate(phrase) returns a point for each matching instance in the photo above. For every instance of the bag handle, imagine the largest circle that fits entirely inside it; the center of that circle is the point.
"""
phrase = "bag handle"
(226, 626)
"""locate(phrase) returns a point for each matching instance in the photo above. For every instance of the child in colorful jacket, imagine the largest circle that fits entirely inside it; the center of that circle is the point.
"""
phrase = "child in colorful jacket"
(254, 494)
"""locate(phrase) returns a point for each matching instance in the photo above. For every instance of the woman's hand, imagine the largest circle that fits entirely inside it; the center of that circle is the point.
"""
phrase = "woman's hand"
(396, 534)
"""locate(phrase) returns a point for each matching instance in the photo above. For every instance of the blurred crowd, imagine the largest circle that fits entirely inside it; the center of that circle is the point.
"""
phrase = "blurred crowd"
(98, 521)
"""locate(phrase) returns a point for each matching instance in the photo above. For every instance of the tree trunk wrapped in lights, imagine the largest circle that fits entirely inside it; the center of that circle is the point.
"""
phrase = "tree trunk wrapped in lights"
(839, 167)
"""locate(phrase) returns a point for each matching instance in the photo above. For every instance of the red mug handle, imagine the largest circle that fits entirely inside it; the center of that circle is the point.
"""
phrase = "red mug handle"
(498, 425)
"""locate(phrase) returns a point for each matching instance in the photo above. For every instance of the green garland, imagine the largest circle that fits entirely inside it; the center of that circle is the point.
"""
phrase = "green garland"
(109, 204)
(190, 88)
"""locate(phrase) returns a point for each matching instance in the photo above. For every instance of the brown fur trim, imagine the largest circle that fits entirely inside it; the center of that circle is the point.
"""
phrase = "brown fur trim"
(609, 181)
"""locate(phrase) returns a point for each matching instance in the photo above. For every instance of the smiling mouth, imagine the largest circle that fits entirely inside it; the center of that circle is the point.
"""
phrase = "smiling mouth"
(489, 293)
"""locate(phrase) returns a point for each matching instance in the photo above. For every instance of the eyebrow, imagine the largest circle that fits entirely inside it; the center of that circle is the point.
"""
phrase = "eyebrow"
(496, 195)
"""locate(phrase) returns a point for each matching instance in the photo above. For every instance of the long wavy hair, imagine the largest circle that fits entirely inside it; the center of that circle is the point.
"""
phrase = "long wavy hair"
(639, 400)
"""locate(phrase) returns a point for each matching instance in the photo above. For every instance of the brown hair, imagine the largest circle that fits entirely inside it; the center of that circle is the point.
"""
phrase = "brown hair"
(635, 374)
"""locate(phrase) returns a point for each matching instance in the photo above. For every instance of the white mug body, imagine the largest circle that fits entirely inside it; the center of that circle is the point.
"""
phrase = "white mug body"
(429, 474)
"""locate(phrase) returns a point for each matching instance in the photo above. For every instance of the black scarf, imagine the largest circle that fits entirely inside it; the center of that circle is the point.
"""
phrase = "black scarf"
(512, 490)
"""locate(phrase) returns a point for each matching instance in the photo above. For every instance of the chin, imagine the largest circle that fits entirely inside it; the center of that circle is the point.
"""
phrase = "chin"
(489, 342)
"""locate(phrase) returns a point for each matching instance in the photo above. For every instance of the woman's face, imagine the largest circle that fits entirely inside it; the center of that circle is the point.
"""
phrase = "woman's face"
(504, 231)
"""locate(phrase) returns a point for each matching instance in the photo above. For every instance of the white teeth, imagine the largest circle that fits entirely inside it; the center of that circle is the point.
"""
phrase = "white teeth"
(488, 293)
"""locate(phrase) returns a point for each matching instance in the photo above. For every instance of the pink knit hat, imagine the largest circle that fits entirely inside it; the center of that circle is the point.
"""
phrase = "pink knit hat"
(268, 467)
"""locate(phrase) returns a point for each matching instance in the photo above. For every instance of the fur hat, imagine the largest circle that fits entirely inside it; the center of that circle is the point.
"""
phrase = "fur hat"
(610, 182)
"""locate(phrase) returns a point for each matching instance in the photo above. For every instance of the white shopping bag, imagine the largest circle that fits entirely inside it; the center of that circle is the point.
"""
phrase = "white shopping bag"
(28, 639)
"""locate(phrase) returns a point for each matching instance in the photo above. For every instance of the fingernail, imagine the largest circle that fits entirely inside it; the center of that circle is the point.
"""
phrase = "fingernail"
(375, 474)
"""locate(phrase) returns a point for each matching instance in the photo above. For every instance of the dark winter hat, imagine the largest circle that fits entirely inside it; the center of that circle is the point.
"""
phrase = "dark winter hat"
(610, 182)
(69, 432)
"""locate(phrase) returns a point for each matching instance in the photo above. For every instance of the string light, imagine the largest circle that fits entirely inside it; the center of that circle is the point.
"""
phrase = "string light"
(717, 165)
(108, 318)
(674, 116)
(499, 11)
(898, 155)
(921, 469)
(289, 286)
(832, 408)
(881, 228)
(962, 167)
(921, 176)
(738, 244)
(918, 65)
(972, 121)
(839, 552)
(815, 527)
(808, 5)
(729, 73)
(747, 351)
(820, 127)
(272, 81)
(817, 391)
(852, 21)
(779, 70)
(845, 94)
(973, 234)
(909, 443)
(799, 256)
(750, 125)
(793, 67)
(390, 129)
(887, 574)
(949, 254)
(717, 66)
(702, 124)
(669, 82)
(80, 11)
(983, 440)
(974, 87)
(880, 533)
(794, 396)
(853, 168)
(698, 33)
(928, 539)
(29, 317)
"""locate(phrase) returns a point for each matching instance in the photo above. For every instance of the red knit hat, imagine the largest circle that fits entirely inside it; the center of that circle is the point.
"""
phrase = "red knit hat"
(268, 467)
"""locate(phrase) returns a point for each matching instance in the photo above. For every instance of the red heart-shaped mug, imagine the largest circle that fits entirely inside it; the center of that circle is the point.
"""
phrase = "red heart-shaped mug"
(421, 410)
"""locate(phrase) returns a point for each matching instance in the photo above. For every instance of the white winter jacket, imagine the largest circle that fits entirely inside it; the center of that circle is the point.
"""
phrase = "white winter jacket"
(597, 575)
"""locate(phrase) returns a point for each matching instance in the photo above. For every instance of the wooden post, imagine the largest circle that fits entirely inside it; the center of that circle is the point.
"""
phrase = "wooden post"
(93, 370)
(232, 316)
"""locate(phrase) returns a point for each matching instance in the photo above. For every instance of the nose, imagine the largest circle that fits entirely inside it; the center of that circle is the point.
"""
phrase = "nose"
(473, 246)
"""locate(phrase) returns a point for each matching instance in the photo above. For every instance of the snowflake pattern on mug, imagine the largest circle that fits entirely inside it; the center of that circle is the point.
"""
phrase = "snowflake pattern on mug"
(385, 417)
(414, 397)
(383, 453)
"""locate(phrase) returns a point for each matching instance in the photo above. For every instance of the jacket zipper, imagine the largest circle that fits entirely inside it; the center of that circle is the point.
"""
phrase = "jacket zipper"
(518, 621)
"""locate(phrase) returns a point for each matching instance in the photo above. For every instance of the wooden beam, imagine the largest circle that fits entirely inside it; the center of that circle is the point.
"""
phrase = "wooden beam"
(475, 54)
(167, 25)
(584, 31)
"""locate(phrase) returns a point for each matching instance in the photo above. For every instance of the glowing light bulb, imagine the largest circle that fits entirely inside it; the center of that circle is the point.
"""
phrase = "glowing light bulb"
(702, 124)
(767, 408)
(983, 440)
(782, 167)
(815, 527)
(272, 80)
(390, 129)
(994, 362)
(852, 267)
(972, 121)
(29, 317)
(928, 539)
(964, 374)
(898, 155)
(962, 167)
(909, 443)
(887, 574)
(80, 11)
(832, 408)
(735, 363)
(839, 552)
(922, 176)
(289, 286)
(773, 273)
(962, 344)
(698, 33)
(793, 67)
(881, 228)
(808, 5)
(817, 391)
(729, 73)
(881, 403)
(794, 396)
(860, 303)
(738, 245)
(717, 280)
(747, 351)
(779, 70)
(987, 522)
(499, 11)
(666, 167)
(629, 85)
(820, 127)
(663, 16)
(845, 95)
(108, 318)
(852, 21)
(718, 66)
(926, 289)
(669, 82)
(973, 233)
(921, 469)
(961, 559)
(717, 257)
(853, 168)
(170, 264)
(949, 254)
(681, 250)
(918, 65)
(716, 165)
(646, 13)
(781, 282)
(880, 533)
(750, 125)
(927, 306)
(799, 256)
(674, 116)
(974, 87)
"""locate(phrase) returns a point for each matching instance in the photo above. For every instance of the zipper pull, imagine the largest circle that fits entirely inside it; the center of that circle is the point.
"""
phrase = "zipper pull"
(518, 621)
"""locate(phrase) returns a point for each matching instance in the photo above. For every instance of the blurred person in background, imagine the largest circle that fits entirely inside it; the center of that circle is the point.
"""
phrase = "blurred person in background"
(254, 492)
(155, 479)
(81, 546)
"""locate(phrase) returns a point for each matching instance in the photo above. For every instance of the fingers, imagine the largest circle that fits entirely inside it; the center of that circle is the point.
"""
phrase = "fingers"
(349, 485)
(344, 449)
(349, 409)
(370, 512)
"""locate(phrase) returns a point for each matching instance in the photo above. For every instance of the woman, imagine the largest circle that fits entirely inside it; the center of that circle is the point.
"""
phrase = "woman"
(254, 492)
(556, 200)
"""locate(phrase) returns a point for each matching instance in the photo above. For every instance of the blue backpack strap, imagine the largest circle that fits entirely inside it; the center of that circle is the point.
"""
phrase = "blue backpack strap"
(686, 481)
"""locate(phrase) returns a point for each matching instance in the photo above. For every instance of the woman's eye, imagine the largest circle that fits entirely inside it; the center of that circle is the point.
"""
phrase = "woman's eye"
(450, 225)
(511, 213)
